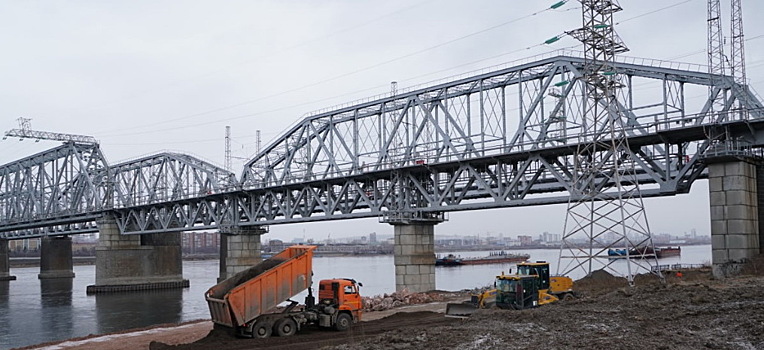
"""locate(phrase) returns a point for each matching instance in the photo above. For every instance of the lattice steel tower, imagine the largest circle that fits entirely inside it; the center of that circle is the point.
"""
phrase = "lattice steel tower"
(737, 60)
(605, 210)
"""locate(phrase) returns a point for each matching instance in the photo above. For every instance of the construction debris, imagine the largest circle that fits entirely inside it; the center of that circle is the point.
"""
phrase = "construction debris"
(403, 298)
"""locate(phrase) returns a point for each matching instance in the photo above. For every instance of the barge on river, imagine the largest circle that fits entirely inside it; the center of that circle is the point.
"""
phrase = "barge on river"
(500, 257)
(647, 252)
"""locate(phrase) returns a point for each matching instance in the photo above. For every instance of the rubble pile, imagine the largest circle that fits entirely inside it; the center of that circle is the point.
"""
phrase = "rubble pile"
(402, 298)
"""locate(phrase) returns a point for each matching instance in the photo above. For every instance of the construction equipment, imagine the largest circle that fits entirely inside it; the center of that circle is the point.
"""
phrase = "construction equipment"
(530, 287)
(558, 287)
(246, 302)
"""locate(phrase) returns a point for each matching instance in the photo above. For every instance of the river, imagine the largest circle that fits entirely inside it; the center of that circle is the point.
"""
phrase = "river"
(34, 311)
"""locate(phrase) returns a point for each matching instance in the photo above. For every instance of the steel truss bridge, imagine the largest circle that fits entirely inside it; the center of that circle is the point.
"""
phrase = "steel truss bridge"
(503, 138)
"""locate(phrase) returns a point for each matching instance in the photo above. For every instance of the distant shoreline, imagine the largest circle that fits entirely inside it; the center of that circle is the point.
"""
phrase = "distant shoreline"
(32, 261)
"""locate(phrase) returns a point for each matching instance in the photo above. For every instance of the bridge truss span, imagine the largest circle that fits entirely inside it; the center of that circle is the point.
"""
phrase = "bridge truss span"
(166, 177)
(60, 189)
(520, 109)
(65, 190)
(500, 139)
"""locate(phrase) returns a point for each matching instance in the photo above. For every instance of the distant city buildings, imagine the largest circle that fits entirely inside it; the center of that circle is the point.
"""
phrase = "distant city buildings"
(24, 245)
(547, 239)
(525, 240)
(206, 243)
(200, 242)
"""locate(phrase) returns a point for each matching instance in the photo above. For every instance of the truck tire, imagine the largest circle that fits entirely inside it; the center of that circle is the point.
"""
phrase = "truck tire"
(343, 322)
(261, 329)
(285, 327)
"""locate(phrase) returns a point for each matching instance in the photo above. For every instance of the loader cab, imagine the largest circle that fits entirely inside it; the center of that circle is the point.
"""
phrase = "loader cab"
(517, 291)
(539, 268)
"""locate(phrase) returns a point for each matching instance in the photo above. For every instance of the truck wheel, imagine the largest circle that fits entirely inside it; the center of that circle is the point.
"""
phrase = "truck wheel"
(343, 322)
(285, 327)
(261, 329)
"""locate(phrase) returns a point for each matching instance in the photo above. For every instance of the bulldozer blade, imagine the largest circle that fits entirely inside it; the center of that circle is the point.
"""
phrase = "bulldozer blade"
(460, 309)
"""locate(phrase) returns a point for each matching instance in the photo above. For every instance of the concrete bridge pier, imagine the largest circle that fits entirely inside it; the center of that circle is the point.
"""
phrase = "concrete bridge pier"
(240, 251)
(734, 189)
(414, 256)
(56, 257)
(5, 263)
(136, 262)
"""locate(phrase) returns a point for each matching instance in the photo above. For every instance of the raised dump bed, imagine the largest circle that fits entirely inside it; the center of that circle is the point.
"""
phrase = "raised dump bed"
(253, 292)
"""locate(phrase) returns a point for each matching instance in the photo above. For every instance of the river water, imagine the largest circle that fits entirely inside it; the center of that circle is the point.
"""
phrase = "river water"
(34, 311)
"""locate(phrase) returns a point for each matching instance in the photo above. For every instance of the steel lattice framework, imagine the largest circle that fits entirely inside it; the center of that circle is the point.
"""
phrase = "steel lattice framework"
(65, 189)
(58, 190)
(499, 139)
(604, 167)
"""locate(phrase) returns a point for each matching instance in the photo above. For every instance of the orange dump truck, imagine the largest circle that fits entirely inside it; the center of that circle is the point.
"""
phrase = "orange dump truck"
(247, 301)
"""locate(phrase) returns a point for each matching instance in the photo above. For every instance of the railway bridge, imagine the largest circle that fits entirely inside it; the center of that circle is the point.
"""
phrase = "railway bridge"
(504, 137)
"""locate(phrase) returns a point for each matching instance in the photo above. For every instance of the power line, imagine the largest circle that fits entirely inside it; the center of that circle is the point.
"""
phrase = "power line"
(273, 53)
(652, 12)
(493, 27)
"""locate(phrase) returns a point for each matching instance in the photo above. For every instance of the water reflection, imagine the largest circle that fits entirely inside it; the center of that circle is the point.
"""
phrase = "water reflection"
(56, 299)
(117, 311)
(4, 293)
(4, 300)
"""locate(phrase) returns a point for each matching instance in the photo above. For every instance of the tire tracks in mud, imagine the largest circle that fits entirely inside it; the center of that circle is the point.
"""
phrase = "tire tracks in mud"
(313, 338)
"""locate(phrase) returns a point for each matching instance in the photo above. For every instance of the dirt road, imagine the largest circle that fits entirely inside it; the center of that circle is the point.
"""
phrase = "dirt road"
(314, 338)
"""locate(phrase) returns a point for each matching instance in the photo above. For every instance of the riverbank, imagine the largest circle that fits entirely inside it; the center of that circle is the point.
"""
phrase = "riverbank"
(689, 312)
(164, 336)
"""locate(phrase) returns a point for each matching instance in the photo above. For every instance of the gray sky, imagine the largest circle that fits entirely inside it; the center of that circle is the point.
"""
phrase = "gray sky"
(147, 76)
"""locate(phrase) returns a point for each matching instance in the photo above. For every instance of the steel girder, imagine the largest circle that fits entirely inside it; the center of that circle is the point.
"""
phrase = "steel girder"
(537, 177)
(166, 177)
(65, 189)
(523, 108)
(500, 139)
(54, 190)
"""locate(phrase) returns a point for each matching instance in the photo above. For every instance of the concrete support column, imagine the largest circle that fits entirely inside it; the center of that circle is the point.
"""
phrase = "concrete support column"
(5, 263)
(136, 262)
(414, 257)
(242, 250)
(56, 258)
(734, 216)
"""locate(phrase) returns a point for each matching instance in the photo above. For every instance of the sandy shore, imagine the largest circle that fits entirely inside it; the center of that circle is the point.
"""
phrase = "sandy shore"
(190, 332)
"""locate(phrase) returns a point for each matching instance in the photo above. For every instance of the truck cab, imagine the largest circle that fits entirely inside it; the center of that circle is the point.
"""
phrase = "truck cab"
(342, 294)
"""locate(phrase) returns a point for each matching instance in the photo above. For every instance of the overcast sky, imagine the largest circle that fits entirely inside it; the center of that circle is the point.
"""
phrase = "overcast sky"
(147, 76)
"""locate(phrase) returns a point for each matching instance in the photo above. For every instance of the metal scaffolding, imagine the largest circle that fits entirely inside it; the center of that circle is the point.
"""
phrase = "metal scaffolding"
(25, 132)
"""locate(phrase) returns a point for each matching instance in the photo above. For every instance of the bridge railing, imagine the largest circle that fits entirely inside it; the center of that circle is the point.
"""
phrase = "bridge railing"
(652, 62)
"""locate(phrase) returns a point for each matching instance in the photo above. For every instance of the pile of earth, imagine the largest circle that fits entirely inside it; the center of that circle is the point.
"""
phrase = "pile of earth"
(404, 298)
(689, 312)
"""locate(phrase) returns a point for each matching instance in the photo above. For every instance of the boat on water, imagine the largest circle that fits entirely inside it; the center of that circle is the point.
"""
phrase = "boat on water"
(665, 252)
(448, 260)
(647, 252)
(500, 257)
(615, 253)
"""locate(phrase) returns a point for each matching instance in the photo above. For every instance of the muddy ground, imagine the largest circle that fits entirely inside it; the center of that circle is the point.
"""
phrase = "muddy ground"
(691, 312)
